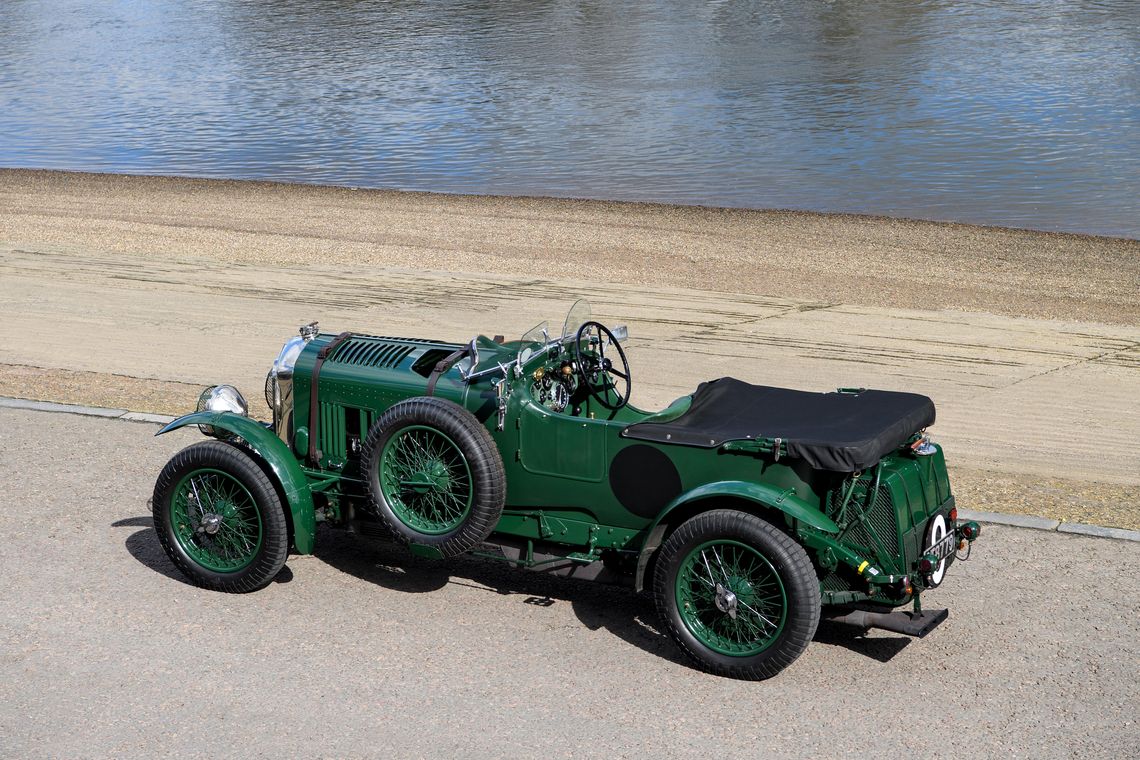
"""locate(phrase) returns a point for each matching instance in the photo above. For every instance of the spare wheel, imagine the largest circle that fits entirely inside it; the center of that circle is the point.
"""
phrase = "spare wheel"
(434, 475)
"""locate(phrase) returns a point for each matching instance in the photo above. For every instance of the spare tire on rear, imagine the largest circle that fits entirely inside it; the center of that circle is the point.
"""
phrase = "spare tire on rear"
(434, 475)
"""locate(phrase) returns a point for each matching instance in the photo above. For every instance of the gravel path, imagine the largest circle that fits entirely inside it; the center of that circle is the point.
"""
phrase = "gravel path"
(869, 261)
(363, 651)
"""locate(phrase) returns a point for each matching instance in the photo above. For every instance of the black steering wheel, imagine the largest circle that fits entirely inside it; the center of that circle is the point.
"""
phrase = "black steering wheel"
(591, 367)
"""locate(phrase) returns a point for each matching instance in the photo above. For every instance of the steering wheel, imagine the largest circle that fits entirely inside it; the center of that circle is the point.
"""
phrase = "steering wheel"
(590, 368)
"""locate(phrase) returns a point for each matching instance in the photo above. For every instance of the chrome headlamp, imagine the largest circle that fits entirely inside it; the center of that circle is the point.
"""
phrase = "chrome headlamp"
(221, 398)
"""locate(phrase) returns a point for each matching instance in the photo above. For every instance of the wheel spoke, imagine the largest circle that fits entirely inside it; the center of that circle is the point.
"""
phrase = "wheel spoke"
(197, 499)
(712, 575)
(719, 562)
(237, 539)
(426, 479)
(731, 598)
(767, 622)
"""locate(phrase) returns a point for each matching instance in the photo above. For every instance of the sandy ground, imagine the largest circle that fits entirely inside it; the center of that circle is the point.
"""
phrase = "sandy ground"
(362, 651)
(134, 292)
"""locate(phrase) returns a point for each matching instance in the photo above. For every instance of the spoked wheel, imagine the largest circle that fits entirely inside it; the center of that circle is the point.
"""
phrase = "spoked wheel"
(731, 598)
(738, 595)
(434, 475)
(426, 479)
(219, 518)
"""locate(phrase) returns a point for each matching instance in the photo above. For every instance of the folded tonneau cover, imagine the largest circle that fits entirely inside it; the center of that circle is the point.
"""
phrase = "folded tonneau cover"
(841, 432)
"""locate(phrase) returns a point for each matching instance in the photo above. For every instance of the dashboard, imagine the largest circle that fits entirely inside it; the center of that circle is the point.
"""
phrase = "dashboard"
(554, 385)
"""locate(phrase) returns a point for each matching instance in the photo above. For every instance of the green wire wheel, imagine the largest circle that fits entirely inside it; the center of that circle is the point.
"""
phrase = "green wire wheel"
(219, 518)
(426, 480)
(434, 475)
(737, 594)
(731, 598)
(216, 520)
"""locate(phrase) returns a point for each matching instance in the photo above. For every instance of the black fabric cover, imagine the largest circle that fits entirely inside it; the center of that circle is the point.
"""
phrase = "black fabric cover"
(842, 432)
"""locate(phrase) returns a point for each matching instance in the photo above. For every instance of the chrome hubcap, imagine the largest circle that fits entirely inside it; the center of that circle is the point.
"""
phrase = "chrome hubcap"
(210, 523)
(726, 601)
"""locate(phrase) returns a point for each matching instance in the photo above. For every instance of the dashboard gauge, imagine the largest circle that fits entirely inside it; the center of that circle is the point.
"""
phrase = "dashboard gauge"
(559, 397)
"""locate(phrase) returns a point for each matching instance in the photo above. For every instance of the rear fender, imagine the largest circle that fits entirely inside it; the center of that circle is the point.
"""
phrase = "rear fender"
(764, 499)
(290, 478)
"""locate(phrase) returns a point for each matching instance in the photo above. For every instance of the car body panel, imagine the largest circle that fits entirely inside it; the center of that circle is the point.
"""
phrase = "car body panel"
(264, 443)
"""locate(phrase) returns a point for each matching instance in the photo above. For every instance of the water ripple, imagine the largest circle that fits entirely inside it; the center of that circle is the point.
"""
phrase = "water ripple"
(1001, 112)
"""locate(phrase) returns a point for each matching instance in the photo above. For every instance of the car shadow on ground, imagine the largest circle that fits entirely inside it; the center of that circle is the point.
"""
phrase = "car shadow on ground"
(881, 648)
(629, 616)
(619, 610)
(143, 545)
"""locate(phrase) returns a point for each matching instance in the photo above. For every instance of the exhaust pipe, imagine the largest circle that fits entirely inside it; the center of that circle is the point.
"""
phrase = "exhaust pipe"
(916, 624)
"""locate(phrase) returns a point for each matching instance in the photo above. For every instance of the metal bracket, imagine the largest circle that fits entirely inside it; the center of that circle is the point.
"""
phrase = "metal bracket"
(503, 389)
(544, 529)
(473, 352)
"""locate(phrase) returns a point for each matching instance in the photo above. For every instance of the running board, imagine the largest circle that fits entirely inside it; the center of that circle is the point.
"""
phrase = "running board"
(916, 624)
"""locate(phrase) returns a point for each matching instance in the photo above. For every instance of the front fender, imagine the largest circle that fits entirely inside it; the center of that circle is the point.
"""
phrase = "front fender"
(281, 461)
(768, 497)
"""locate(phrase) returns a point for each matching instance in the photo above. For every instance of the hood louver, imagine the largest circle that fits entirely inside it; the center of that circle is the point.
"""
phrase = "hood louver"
(372, 352)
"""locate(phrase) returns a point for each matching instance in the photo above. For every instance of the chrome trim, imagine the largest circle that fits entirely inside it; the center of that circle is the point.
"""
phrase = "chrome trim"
(221, 398)
(281, 376)
(473, 353)
(925, 448)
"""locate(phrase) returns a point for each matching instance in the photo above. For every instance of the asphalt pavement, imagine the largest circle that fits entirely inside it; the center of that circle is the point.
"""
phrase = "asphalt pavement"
(361, 650)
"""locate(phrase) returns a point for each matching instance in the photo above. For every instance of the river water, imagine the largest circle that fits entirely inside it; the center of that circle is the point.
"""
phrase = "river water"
(1017, 113)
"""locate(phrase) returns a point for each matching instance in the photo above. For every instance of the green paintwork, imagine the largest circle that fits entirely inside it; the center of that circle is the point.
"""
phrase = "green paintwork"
(290, 477)
(553, 446)
(209, 494)
(864, 532)
(426, 480)
(761, 494)
(671, 412)
(761, 602)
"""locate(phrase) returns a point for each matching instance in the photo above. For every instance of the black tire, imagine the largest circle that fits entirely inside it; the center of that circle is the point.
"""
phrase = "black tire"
(184, 535)
(776, 556)
(472, 468)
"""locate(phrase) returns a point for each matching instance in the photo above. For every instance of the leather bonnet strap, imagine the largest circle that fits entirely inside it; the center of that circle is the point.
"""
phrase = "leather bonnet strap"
(314, 456)
(442, 366)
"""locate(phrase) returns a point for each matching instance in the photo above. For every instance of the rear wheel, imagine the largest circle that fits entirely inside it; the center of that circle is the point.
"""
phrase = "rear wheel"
(219, 518)
(738, 595)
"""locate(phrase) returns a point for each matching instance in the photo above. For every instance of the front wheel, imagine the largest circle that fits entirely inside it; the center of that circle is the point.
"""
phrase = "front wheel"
(739, 596)
(219, 518)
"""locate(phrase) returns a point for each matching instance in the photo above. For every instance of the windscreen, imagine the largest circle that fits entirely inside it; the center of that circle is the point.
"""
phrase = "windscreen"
(580, 313)
(533, 341)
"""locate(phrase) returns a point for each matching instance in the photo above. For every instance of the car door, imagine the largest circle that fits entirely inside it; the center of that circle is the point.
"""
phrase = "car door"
(562, 446)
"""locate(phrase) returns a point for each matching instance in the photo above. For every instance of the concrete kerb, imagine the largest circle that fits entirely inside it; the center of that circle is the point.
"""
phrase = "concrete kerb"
(1029, 522)
(88, 411)
(1016, 521)
(1043, 523)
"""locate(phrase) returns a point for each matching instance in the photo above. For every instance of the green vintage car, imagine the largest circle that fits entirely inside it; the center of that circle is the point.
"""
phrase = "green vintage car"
(748, 510)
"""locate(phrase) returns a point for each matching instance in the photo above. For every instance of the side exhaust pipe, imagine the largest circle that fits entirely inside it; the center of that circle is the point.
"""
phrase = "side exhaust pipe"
(916, 624)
